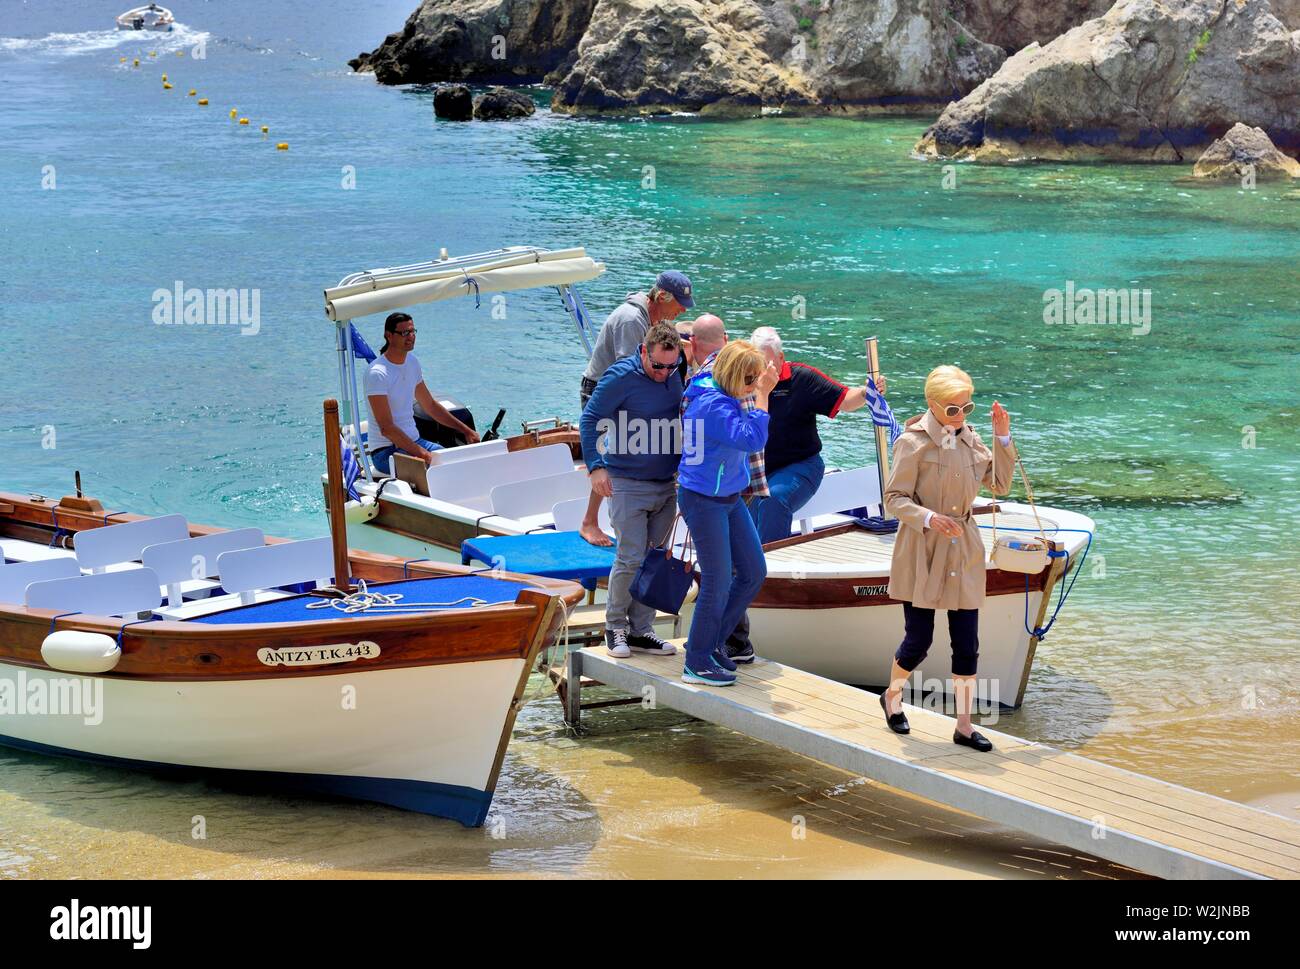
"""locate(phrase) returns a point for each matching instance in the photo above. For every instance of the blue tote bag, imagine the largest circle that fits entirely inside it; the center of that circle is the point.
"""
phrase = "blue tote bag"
(662, 581)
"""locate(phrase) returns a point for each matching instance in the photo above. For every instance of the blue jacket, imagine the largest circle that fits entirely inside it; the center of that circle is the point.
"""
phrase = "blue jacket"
(639, 419)
(718, 438)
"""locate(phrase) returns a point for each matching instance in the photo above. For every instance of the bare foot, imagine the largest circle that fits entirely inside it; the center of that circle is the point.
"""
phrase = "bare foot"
(594, 535)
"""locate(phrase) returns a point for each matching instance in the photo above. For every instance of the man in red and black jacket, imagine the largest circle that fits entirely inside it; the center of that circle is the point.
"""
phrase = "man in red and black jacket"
(793, 456)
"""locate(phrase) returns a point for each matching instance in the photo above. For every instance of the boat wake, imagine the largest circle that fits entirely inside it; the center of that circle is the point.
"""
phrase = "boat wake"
(95, 41)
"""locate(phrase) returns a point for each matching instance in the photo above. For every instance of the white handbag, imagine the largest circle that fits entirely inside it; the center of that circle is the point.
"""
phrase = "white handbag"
(1028, 555)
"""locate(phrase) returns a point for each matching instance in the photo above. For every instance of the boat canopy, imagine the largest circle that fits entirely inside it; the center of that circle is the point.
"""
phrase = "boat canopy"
(501, 270)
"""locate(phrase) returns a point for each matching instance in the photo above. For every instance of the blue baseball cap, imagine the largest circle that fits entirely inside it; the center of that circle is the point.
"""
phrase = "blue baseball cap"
(679, 284)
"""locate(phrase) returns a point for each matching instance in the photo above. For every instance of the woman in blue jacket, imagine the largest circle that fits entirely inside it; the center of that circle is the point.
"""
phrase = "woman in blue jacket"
(718, 436)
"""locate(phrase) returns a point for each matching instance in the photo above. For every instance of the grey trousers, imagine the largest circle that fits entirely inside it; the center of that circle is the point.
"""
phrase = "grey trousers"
(641, 513)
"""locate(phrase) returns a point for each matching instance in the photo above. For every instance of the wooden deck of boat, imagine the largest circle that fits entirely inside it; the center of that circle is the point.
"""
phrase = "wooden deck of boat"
(1127, 818)
(859, 547)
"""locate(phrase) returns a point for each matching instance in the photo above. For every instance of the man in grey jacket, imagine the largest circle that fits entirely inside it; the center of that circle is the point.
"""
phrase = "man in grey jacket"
(621, 335)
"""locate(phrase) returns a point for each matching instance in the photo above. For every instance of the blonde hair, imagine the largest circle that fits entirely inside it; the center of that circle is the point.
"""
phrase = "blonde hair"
(947, 382)
(736, 361)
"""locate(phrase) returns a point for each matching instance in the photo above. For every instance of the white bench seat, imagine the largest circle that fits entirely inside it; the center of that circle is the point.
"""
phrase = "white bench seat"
(248, 570)
(205, 607)
(98, 548)
(17, 550)
(104, 594)
(15, 577)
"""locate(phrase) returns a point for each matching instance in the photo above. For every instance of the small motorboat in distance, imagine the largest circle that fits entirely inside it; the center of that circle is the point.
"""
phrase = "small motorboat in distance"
(178, 647)
(149, 17)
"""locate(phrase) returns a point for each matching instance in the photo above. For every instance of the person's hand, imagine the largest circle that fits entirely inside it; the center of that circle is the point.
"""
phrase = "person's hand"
(601, 484)
(767, 379)
(1001, 420)
(879, 382)
(946, 526)
(471, 436)
(426, 457)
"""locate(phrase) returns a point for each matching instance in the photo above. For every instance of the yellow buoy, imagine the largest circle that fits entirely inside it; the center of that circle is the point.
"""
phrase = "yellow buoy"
(234, 113)
(164, 77)
(282, 146)
(121, 60)
(180, 53)
(153, 53)
(265, 129)
(203, 101)
(166, 86)
(136, 62)
(243, 121)
(192, 93)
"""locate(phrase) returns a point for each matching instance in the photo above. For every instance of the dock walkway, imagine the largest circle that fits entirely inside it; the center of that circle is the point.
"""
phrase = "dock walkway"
(1119, 815)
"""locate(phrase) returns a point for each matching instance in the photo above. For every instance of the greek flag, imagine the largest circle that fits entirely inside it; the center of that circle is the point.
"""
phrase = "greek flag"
(881, 415)
(351, 471)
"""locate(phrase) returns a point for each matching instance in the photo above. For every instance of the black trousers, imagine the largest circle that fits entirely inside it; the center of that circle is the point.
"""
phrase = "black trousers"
(963, 630)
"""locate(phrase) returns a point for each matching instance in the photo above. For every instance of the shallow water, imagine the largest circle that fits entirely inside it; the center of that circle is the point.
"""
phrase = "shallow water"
(1175, 655)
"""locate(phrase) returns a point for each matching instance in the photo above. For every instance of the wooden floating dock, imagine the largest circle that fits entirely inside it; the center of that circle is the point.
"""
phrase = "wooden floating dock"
(1124, 817)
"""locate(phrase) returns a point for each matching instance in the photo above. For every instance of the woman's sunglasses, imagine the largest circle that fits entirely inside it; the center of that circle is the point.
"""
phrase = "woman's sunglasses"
(952, 410)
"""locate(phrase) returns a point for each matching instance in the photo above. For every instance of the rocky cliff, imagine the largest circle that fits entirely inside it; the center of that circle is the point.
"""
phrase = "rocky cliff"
(1150, 80)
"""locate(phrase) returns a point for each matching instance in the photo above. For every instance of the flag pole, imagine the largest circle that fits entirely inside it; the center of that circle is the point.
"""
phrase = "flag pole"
(882, 433)
(334, 495)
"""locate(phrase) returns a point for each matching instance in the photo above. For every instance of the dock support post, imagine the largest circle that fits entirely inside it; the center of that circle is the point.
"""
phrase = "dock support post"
(573, 689)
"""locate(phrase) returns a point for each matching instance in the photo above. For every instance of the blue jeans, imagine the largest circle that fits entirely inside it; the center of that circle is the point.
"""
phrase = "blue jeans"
(383, 458)
(725, 540)
(791, 489)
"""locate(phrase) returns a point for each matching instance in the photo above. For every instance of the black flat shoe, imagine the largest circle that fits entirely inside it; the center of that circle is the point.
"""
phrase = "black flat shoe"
(976, 740)
(897, 721)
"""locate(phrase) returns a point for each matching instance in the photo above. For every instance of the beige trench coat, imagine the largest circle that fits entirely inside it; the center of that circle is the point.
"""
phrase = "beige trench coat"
(929, 569)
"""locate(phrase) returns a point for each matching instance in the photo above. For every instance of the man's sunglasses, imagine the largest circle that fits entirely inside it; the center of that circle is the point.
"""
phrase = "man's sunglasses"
(410, 332)
(952, 410)
(666, 366)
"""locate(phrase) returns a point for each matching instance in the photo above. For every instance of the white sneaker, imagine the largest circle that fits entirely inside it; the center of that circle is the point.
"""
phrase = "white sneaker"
(616, 643)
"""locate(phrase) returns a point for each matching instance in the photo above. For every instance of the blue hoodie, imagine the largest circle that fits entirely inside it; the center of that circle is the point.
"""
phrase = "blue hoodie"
(718, 436)
(643, 416)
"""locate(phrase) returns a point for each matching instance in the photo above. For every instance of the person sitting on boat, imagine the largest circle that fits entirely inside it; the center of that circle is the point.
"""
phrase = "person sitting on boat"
(631, 441)
(394, 384)
(719, 435)
(793, 456)
(709, 336)
(621, 334)
(940, 464)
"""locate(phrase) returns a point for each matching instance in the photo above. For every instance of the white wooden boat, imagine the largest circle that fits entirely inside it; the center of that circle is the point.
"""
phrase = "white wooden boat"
(824, 607)
(241, 677)
(148, 17)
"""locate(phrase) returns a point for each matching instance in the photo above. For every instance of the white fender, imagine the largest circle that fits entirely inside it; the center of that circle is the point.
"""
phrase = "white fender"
(78, 652)
(358, 512)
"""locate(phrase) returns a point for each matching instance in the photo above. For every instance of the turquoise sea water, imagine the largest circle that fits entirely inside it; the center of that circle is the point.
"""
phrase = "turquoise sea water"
(1184, 638)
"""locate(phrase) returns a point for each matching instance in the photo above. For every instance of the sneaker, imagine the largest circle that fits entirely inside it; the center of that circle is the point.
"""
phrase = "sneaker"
(720, 658)
(707, 676)
(740, 653)
(616, 643)
(650, 643)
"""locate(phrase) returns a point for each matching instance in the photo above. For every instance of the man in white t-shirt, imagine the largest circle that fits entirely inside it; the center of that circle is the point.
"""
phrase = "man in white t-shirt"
(393, 385)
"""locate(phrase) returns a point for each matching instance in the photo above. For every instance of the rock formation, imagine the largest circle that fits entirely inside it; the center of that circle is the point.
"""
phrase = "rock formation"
(502, 104)
(1150, 80)
(492, 41)
(1013, 24)
(453, 102)
(1245, 151)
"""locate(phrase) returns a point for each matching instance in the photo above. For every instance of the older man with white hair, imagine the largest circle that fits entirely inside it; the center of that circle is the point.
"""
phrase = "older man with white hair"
(793, 457)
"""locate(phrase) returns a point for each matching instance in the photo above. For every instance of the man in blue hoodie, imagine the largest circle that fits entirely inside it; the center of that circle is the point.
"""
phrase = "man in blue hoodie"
(631, 440)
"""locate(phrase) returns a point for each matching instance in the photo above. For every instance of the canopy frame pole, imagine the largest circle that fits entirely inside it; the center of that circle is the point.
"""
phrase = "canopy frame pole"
(348, 390)
(882, 433)
(578, 311)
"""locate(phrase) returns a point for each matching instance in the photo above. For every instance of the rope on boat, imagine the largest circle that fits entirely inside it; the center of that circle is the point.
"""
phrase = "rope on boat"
(364, 599)
(1066, 588)
(544, 667)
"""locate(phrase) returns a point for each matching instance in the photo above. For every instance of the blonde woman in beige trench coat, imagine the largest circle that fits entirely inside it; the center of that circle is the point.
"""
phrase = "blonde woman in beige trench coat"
(940, 465)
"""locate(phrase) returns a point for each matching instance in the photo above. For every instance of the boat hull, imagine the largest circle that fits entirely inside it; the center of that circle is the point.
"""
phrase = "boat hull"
(855, 644)
(421, 738)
